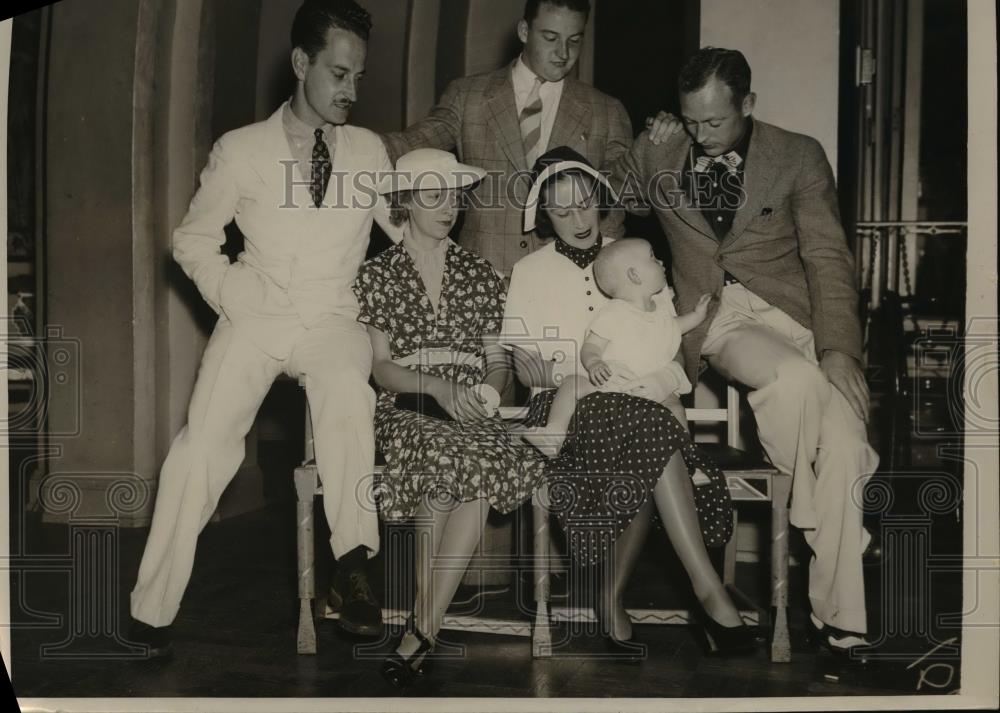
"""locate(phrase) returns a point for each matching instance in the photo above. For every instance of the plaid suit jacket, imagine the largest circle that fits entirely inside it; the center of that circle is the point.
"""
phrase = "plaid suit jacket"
(477, 119)
(786, 244)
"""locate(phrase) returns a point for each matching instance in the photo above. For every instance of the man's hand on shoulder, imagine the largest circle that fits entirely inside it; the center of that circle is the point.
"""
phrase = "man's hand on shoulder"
(845, 373)
(662, 127)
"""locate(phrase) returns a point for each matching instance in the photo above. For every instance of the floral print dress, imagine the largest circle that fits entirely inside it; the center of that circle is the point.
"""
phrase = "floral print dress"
(423, 454)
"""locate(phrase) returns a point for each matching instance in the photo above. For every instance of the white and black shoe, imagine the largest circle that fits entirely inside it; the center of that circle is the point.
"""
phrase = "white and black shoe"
(847, 646)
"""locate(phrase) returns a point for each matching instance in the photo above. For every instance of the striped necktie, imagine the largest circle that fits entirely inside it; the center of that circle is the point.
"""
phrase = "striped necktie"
(321, 169)
(531, 124)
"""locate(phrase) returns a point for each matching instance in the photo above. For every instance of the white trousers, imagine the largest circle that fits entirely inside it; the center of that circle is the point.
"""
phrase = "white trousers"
(809, 431)
(233, 379)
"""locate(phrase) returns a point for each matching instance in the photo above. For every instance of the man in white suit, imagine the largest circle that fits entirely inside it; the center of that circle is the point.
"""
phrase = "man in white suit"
(300, 185)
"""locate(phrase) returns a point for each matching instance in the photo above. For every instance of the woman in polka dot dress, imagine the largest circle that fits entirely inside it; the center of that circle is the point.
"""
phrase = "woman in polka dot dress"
(623, 454)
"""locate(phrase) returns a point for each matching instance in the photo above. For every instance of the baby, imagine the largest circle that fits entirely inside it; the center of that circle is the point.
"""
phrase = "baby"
(637, 333)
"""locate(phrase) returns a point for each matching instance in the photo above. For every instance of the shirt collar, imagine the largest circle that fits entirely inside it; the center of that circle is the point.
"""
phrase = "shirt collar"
(581, 257)
(523, 79)
(298, 129)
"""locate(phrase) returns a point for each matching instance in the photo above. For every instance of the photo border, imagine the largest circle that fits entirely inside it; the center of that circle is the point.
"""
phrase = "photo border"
(980, 638)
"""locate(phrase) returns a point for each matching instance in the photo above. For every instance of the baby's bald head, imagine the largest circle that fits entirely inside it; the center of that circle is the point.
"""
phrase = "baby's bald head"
(614, 260)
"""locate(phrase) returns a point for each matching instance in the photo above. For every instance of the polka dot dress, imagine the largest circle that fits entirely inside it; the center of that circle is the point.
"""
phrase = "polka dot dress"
(615, 452)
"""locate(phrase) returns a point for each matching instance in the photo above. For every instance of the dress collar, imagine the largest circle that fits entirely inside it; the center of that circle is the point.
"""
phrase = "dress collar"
(581, 257)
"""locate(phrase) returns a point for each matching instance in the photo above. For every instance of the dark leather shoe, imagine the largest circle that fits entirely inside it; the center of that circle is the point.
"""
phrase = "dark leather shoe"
(360, 613)
(158, 640)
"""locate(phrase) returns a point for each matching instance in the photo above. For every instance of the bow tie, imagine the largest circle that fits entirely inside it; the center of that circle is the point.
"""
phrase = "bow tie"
(730, 160)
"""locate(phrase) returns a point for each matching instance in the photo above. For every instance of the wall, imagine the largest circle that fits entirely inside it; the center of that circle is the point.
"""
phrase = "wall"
(793, 50)
(275, 81)
(421, 59)
(124, 155)
(95, 232)
(181, 319)
(492, 41)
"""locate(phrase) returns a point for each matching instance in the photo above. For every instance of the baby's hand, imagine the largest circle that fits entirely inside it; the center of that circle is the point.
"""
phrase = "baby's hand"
(701, 309)
(599, 372)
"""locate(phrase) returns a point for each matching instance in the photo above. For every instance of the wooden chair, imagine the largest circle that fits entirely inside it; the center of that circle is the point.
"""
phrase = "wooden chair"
(749, 482)
(311, 607)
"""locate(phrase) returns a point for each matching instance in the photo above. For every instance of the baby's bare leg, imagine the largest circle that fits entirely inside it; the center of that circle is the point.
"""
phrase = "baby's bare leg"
(549, 438)
(699, 477)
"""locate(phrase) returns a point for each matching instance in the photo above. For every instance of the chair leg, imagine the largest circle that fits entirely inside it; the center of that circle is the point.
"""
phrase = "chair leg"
(541, 635)
(305, 490)
(310, 444)
(729, 558)
(781, 650)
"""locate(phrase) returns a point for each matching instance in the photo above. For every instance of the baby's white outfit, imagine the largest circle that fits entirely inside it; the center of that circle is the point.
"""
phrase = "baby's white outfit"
(644, 342)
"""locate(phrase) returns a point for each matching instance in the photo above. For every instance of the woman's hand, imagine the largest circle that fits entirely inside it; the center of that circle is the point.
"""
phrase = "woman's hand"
(460, 401)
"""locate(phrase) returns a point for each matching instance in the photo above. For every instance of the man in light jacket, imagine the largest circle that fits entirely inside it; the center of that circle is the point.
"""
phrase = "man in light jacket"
(301, 186)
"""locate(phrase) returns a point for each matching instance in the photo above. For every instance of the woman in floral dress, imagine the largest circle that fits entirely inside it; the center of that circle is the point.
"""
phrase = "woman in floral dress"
(434, 311)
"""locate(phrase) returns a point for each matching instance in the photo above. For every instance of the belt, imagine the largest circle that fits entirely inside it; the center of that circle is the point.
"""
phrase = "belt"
(728, 279)
(436, 356)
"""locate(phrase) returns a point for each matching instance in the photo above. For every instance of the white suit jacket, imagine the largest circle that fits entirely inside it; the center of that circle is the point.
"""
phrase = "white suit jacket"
(299, 261)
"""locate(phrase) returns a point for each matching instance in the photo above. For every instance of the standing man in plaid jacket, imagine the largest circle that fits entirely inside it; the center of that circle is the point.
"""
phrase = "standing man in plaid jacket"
(503, 121)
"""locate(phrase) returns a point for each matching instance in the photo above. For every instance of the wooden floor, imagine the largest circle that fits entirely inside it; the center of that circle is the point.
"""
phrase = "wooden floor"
(235, 635)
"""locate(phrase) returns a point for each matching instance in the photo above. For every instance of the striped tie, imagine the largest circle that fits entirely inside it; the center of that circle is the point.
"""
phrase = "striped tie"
(531, 124)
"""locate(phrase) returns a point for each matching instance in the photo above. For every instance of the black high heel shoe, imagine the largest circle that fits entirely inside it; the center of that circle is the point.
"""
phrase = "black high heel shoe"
(719, 640)
(398, 670)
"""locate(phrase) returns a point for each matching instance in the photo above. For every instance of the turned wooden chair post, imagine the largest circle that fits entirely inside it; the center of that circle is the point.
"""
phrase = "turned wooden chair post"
(305, 493)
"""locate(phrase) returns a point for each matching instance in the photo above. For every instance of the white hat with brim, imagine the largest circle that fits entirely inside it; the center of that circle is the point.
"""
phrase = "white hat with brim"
(531, 204)
(430, 169)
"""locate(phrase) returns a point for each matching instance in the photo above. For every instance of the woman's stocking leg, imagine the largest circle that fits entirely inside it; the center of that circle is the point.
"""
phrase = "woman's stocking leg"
(674, 495)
